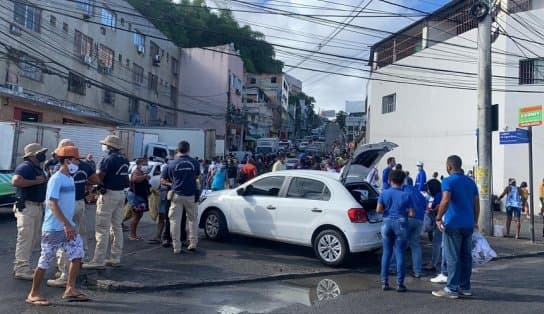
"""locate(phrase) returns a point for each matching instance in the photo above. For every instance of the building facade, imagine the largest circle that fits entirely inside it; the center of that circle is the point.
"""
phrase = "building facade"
(422, 94)
(259, 113)
(97, 62)
(211, 91)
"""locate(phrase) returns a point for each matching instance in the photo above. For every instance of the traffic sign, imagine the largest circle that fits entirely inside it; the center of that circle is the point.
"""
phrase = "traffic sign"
(519, 136)
(530, 116)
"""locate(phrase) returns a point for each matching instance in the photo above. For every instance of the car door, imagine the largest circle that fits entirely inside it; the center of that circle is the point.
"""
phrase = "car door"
(254, 212)
(305, 200)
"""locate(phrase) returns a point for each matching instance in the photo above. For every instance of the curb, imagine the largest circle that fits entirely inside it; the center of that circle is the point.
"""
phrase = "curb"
(128, 286)
(515, 256)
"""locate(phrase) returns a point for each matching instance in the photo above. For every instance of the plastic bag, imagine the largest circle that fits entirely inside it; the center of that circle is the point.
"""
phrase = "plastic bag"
(481, 251)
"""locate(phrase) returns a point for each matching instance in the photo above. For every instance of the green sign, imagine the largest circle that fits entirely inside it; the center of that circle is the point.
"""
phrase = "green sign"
(6, 189)
(530, 116)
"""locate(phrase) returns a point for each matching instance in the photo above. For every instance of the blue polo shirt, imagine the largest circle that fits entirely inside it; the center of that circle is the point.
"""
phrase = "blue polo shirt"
(460, 211)
(182, 172)
(115, 166)
(29, 171)
(419, 203)
(396, 203)
(385, 178)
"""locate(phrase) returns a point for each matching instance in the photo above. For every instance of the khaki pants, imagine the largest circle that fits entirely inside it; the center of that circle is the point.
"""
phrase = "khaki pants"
(179, 203)
(109, 216)
(63, 262)
(29, 224)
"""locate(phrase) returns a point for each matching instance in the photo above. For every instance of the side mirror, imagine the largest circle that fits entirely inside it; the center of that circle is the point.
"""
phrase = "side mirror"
(241, 191)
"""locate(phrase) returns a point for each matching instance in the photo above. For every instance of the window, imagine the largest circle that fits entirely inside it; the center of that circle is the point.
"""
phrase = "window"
(108, 18)
(253, 80)
(120, 59)
(83, 45)
(170, 118)
(26, 115)
(389, 103)
(531, 71)
(153, 50)
(30, 68)
(175, 66)
(514, 6)
(308, 189)
(174, 95)
(105, 59)
(53, 21)
(153, 81)
(133, 106)
(270, 186)
(137, 74)
(86, 6)
(109, 97)
(65, 27)
(273, 79)
(139, 41)
(76, 84)
(122, 22)
(27, 15)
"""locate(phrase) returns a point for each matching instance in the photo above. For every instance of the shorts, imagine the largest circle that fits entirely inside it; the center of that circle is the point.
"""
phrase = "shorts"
(516, 211)
(52, 241)
(163, 208)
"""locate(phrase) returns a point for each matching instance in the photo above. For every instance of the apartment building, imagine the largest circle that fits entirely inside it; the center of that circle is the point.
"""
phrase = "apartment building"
(86, 61)
(423, 89)
(259, 113)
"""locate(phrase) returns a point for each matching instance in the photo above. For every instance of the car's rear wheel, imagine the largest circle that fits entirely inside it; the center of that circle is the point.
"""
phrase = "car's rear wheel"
(215, 226)
(331, 247)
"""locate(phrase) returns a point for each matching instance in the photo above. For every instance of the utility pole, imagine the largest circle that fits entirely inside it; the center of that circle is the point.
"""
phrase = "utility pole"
(481, 11)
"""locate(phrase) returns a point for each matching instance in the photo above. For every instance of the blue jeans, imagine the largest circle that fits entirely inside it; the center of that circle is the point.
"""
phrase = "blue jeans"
(414, 241)
(394, 235)
(439, 254)
(458, 251)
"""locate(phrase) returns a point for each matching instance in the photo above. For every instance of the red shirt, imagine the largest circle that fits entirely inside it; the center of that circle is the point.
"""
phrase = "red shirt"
(250, 171)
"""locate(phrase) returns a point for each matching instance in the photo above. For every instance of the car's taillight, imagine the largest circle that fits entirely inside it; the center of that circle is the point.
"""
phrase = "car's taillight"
(357, 215)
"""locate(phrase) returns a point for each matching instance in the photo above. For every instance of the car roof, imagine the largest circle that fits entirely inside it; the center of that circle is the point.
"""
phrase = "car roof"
(315, 174)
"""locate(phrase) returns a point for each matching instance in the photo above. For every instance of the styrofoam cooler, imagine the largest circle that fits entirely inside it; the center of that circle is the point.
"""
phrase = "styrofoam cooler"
(498, 230)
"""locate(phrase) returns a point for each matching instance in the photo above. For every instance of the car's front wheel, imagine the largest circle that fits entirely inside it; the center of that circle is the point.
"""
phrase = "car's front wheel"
(215, 226)
(331, 247)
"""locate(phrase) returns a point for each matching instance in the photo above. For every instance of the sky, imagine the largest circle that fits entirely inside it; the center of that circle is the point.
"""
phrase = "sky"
(297, 32)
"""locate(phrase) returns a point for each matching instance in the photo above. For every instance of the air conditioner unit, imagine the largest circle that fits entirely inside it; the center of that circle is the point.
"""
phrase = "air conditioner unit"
(141, 49)
(157, 59)
(87, 60)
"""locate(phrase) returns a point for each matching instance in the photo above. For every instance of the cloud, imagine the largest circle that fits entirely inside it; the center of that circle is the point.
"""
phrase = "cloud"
(330, 91)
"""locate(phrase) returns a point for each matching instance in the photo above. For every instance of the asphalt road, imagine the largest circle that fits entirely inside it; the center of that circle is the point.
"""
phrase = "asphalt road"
(505, 286)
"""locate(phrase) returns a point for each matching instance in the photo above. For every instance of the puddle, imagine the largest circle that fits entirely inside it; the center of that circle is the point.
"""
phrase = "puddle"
(272, 296)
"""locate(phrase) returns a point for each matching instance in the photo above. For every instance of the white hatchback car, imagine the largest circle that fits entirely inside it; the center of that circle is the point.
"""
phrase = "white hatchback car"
(333, 213)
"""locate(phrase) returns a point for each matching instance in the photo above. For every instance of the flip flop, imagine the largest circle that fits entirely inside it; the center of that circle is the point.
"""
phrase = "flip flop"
(38, 302)
(81, 297)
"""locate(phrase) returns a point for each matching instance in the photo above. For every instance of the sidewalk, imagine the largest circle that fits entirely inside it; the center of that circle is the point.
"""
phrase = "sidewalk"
(151, 267)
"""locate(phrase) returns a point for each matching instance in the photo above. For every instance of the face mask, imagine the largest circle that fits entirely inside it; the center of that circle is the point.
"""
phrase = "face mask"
(40, 157)
(105, 148)
(73, 168)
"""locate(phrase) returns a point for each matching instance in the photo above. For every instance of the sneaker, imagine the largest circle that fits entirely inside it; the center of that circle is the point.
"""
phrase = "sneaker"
(166, 243)
(93, 265)
(57, 283)
(401, 288)
(112, 263)
(440, 278)
(445, 294)
(465, 293)
(385, 287)
(191, 247)
(24, 275)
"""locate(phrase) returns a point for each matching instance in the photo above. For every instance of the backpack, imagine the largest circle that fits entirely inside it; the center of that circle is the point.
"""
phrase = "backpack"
(242, 176)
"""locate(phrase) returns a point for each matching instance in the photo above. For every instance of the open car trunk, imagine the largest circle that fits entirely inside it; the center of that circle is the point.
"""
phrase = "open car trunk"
(367, 196)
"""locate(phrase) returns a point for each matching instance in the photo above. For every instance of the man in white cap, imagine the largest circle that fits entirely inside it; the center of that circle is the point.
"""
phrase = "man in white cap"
(113, 175)
(421, 177)
(30, 181)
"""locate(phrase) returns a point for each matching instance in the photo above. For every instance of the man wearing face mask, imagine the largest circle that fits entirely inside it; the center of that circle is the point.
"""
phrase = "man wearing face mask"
(82, 173)
(113, 174)
(29, 179)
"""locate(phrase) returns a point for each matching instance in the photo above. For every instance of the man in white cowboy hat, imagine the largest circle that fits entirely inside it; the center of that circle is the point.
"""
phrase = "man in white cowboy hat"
(30, 181)
(113, 175)
(85, 174)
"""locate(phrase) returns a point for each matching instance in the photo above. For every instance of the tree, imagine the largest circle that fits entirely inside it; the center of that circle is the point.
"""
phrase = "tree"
(341, 119)
(192, 24)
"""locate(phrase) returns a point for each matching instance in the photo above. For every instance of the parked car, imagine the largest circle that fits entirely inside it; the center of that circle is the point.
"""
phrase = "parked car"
(291, 163)
(302, 146)
(333, 213)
